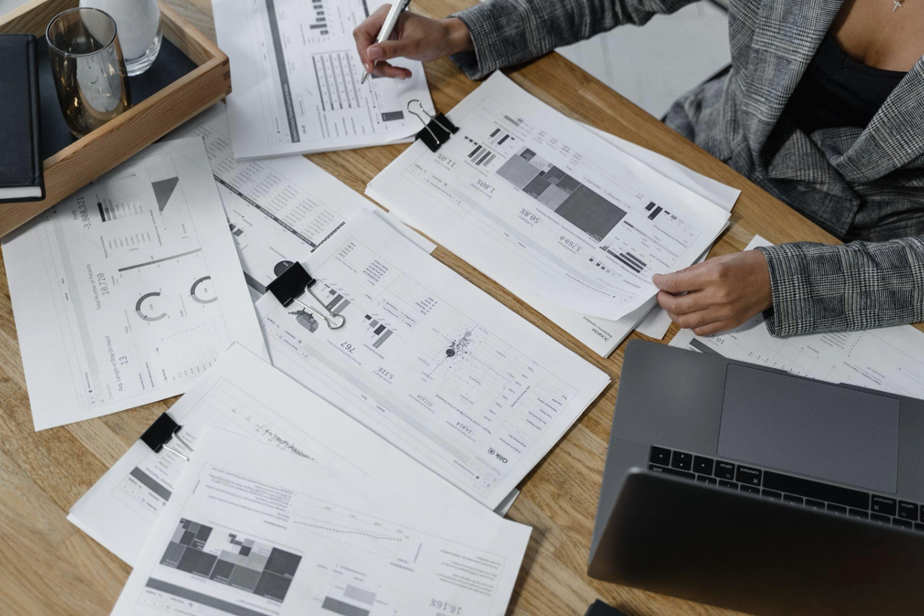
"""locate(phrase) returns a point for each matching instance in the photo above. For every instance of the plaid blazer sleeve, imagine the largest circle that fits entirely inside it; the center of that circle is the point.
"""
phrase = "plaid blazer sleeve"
(508, 32)
(861, 285)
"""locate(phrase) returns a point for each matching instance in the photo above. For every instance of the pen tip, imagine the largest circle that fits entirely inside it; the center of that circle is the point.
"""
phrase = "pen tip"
(363, 79)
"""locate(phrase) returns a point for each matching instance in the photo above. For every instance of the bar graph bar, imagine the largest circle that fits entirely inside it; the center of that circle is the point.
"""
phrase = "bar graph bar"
(320, 18)
(379, 331)
(629, 260)
(338, 304)
(228, 559)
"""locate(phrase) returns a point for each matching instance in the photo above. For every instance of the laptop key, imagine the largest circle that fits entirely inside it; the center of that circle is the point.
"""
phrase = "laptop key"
(748, 475)
(682, 461)
(724, 470)
(771, 495)
(883, 505)
(902, 523)
(672, 471)
(731, 485)
(710, 481)
(816, 490)
(794, 500)
(837, 509)
(660, 455)
(750, 489)
(814, 504)
(908, 511)
(880, 519)
(919, 527)
(856, 513)
(702, 465)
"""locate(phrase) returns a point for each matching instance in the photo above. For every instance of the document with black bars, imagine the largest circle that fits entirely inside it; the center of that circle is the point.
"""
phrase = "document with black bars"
(548, 209)
(128, 291)
(297, 79)
(430, 362)
(256, 531)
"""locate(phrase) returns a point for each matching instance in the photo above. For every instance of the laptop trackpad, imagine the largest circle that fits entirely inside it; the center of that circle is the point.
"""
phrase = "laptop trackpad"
(824, 431)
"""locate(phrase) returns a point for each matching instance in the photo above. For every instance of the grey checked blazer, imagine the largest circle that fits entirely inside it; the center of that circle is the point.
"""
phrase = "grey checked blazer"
(865, 186)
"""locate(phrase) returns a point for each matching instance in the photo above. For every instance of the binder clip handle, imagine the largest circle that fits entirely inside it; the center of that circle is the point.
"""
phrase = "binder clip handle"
(292, 284)
(437, 131)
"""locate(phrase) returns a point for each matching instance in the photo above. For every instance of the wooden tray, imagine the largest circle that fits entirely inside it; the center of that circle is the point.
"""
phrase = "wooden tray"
(196, 87)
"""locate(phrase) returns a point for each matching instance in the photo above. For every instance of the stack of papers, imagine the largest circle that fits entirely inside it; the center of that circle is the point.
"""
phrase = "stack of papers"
(288, 506)
(297, 78)
(558, 215)
(430, 362)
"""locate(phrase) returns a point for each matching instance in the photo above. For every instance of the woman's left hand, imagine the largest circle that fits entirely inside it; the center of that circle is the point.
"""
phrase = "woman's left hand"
(718, 294)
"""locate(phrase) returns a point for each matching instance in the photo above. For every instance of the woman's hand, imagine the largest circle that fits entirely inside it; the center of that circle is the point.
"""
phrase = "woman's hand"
(415, 37)
(718, 294)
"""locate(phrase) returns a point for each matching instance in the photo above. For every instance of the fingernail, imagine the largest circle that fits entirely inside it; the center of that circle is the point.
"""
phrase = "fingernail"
(374, 53)
(368, 67)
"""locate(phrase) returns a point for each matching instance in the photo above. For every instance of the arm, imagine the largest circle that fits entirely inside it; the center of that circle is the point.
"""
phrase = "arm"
(497, 33)
(860, 285)
(508, 32)
(804, 288)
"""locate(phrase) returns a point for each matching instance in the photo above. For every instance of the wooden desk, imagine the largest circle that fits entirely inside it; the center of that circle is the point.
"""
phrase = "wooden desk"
(48, 567)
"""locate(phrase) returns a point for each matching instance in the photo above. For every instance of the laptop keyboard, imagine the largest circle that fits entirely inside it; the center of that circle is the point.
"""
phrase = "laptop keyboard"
(796, 491)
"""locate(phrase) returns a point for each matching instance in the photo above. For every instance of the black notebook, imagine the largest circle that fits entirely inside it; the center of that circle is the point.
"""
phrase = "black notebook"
(20, 159)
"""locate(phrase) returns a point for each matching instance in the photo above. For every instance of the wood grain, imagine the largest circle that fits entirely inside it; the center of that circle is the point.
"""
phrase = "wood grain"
(129, 133)
(61, 571)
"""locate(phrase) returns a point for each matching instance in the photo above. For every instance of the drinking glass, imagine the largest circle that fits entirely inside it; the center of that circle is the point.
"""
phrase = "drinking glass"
(139, 27)
(88, 69)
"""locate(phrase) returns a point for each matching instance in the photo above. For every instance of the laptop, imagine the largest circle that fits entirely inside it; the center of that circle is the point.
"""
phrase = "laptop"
(749, 488)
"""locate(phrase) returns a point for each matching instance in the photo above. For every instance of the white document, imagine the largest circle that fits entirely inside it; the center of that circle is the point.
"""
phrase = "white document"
(657, 321)
(255, 531)
(545, 207)
(430, 362)
(279, 209)
(127, 291)
(721, 194)
(241, 394)
(604, 335)
(890, 359)
(297, 78)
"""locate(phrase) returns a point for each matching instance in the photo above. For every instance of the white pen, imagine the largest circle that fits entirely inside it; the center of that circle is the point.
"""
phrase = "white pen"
(391, 20)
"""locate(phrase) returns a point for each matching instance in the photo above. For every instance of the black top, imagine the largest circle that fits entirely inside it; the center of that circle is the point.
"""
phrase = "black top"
(836, 90)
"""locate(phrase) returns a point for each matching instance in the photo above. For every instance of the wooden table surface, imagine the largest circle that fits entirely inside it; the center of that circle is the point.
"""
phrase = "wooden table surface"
(48, 567)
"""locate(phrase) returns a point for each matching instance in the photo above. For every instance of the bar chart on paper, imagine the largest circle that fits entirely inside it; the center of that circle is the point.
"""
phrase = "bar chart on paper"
(298, 79)
(224, 557)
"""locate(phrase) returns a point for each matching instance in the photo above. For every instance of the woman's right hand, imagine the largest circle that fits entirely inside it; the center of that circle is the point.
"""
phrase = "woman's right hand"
(415, 37)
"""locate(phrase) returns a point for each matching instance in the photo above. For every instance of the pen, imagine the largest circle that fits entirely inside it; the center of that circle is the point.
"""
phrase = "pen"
(391, 20)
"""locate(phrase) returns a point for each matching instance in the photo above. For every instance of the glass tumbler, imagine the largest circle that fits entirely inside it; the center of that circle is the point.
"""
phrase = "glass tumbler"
(88, 69)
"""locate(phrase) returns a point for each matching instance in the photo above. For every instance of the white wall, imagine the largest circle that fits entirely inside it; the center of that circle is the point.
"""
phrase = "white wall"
(8, 5)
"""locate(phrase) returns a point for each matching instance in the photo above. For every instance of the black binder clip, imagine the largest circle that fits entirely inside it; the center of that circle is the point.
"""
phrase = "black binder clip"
(162, 432)
(294, 282)
(437, 131)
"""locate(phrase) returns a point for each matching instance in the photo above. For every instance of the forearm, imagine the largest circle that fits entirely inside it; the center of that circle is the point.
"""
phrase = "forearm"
(509, 32)
(861, 285)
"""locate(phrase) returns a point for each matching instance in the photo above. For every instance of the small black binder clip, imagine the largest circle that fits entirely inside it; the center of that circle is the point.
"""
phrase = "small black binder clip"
(162, 432)
(292, 284)
(437, 131)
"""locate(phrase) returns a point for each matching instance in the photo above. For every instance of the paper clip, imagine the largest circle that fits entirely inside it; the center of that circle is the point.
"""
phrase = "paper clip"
(437, 131)
(162, 432)
(292, 283)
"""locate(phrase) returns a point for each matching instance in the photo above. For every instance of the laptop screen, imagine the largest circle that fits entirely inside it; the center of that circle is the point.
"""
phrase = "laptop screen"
(800, 426)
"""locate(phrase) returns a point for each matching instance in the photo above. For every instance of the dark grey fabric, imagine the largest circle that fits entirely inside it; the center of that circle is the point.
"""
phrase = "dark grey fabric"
(863, 185)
